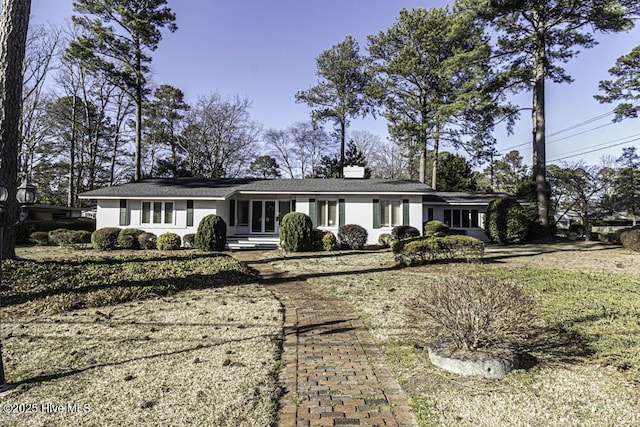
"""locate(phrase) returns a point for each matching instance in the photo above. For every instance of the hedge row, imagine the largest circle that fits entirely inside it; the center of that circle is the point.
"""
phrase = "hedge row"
(24, 230)
(421, 250)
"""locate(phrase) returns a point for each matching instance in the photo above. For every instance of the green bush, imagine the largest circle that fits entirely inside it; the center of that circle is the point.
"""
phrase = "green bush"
(105, 239)
(385, 240)
(169, 242)
(77, 239)
(630, 238)
(352, 236)
(24, 229)
(188, 241)
(296, 232)
(39, 238)
(329, 241)
(147, 240)
(421, 250)
(400, 232)
(436, 228)
(128, 238)
(576, 228)
(212, 234)
(506, 222)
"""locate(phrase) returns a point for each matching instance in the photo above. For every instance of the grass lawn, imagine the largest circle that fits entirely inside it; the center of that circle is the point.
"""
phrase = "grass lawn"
(587, 346)
(137, 338)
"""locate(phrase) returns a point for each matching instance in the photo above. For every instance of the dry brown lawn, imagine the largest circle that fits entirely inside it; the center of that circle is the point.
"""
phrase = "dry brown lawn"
(198, 358)
(566, 387)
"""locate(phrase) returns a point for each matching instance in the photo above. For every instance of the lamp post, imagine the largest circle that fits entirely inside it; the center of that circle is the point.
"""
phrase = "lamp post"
(26, 196)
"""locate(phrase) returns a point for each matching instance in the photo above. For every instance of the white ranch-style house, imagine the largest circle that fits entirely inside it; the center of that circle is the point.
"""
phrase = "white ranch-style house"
(253, 208)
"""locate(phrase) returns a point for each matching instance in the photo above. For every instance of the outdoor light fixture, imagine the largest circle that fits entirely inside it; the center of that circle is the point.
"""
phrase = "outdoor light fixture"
(26, 195)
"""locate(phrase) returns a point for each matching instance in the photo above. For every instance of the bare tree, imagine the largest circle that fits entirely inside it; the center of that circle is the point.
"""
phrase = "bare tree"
(299, 148)
(220, 138)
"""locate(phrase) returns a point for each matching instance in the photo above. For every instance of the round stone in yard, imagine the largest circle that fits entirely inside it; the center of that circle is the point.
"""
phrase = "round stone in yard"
(489, 364)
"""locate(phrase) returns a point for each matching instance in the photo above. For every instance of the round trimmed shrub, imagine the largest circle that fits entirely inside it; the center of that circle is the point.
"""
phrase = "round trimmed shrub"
(385, 240)
(188, 241)
(147, 240)
(76, 239)
(630, 238)
(169, 242)
(296, 232)
(400, 232)
(128, 238)
(352, 236)
(329, 241)
(105, 239)
(506, 221)
(39, 238)
(212, 234)
(436, 228)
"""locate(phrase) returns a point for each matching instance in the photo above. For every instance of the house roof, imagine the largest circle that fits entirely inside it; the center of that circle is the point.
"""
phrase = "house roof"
(188, 188)
(454, 198)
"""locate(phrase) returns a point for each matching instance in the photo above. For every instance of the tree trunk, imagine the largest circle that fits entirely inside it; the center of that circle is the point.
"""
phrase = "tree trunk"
(436, 149)
(343, 130)
(72, 152)
(539, 142)
(14, 24)
(139, 86)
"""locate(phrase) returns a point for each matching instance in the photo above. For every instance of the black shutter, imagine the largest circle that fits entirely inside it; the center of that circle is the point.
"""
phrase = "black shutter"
(124, 212)
(189, 213)
(232, 213)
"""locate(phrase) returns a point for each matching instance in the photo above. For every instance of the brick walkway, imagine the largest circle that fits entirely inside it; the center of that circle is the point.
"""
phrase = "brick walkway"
(333, 373)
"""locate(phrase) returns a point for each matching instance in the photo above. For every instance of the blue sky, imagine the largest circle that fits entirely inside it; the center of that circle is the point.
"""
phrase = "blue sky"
(266, 50)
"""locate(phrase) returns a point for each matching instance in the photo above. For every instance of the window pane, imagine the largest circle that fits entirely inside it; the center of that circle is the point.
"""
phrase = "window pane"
(146, 212)
(456, 217)
(322, 213)
(474, 218)
(284, 207)
(465, 219)
(168, 213)
(157, 212)
(396, 213)
(385, 220)
(333, 213)
(243, 212)
(447, 217)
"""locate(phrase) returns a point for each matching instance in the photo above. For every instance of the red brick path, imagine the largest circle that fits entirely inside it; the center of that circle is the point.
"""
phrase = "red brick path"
(333, 373)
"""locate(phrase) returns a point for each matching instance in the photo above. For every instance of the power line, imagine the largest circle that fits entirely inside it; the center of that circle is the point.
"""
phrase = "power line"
(594, 150)
(574, 126)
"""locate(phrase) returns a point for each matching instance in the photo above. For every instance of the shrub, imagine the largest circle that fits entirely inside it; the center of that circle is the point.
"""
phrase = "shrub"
(421, 250)
(169, 242)
(296, 232)
(77, 239)
(352, 236)
(576, 228)
(105, 239)
(506, 221)
(436, 228)
(400, 232)
(385, 240)
(473, 312)
(188, 241)
(630, 238)
(128, 238)
(212, 234)
(147, 240)
(39, 238)
(329, 241)
(24, 230)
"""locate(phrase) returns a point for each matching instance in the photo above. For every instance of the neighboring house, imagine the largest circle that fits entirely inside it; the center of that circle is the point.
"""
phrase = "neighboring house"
(40, 212)
(253, 208)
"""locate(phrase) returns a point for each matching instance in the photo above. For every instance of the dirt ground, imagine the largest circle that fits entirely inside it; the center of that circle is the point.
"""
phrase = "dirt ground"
(592, 257)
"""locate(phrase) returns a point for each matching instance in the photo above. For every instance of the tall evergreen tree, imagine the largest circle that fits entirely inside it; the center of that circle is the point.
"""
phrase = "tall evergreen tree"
(14, 25)
(625, 87)
(535, 37)
(438, 84)
(118, 36)
(340, 93)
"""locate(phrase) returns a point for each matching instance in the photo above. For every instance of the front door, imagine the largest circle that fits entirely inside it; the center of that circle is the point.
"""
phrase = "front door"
(263, 216)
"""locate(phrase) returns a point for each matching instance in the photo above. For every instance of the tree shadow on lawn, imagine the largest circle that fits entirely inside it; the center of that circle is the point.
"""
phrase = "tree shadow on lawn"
(148, 288)
(59, 375)
(495, 254)
(118, 257)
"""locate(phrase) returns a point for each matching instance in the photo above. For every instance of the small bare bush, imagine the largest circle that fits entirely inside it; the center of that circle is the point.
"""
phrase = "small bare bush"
(630, 238)
(473, 313)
